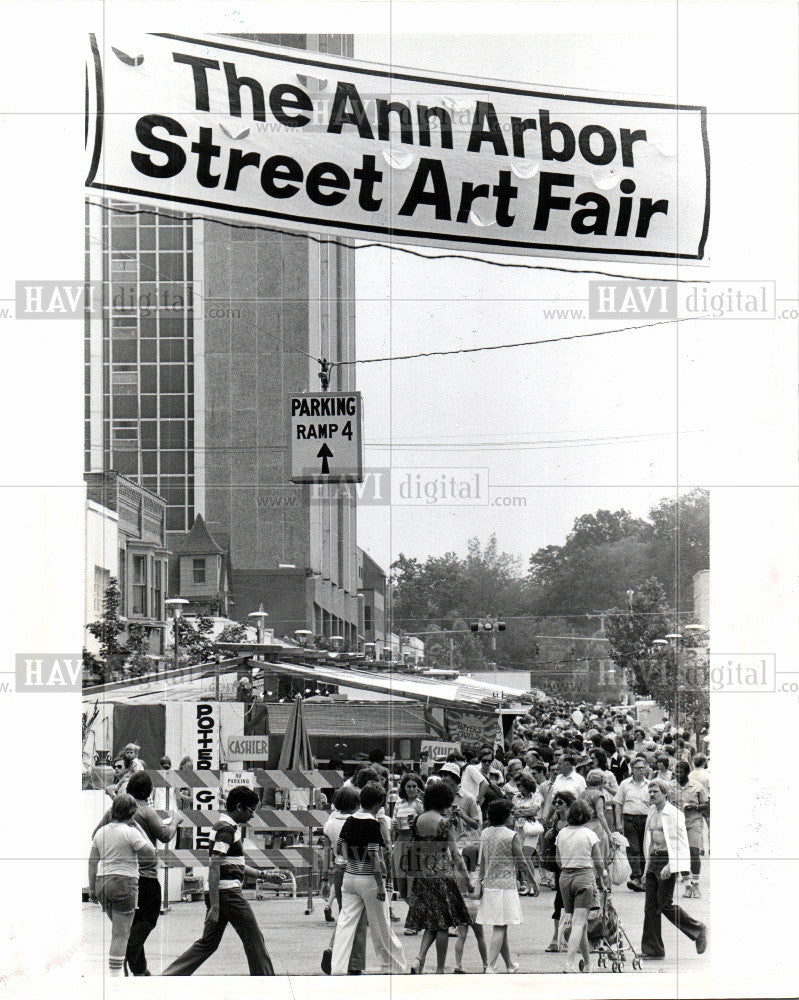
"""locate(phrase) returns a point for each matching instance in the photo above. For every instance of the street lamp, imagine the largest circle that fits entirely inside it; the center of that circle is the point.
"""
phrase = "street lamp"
(260, 617)
(176, 603)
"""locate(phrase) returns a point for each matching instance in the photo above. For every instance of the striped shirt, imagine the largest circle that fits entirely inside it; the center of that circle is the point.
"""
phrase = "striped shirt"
(360, 837)
(226, 842)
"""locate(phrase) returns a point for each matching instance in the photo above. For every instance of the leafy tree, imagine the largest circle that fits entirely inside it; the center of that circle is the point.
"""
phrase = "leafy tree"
(680, 543)
(631, 633)
(138, 643)
(107, 631)
(678, 679)
(194, 639)
(233, 632)
(605, 526)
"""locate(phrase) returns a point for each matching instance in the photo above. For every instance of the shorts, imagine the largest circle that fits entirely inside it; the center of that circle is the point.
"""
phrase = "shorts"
(578, 889)
(117, 893)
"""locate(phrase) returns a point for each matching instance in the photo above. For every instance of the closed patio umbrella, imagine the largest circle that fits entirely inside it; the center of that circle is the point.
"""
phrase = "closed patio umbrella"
(295, 754)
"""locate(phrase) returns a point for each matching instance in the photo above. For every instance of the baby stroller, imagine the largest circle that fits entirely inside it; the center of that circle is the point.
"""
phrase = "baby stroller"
(607, 938)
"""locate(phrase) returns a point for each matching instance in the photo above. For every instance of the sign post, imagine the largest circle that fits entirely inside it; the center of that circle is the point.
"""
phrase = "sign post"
(325, 430)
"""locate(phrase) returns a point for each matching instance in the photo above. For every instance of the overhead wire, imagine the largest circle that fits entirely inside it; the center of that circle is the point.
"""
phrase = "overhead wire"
(326, 364)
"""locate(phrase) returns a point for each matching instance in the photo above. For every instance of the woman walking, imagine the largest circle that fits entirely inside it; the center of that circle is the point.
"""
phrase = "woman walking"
(114, 874)
(526, 807)
(363, 887)
(501, 857)
(582, 869)
(409, 807)
(436, 903)
(596, 798)
(345, 802)
(561, 804)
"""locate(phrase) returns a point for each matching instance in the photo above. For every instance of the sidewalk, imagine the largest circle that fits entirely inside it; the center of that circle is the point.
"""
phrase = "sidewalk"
(295, 942)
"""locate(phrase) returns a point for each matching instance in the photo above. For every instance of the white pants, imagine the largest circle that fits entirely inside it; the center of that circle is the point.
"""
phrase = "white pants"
(359, 893)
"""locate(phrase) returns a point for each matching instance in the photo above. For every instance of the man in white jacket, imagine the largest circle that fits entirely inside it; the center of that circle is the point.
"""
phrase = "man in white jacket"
(666, 853)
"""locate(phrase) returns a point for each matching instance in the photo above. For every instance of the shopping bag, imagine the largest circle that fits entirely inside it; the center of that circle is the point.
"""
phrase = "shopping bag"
(620, 870)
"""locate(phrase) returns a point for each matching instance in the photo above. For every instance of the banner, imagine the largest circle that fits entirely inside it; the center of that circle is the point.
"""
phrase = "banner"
(236, 130)
(473, 726)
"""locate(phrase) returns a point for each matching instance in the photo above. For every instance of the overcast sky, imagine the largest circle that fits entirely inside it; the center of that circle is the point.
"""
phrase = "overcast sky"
(466, 412)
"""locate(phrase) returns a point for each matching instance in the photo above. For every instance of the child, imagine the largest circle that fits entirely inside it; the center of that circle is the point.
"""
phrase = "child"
(345, 802)
(501, 856)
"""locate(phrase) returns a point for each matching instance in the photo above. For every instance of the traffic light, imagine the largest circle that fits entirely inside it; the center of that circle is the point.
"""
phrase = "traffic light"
(487, 625)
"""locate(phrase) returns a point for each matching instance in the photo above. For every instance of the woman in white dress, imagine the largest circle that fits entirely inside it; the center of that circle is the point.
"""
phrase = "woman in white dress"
(501, 856)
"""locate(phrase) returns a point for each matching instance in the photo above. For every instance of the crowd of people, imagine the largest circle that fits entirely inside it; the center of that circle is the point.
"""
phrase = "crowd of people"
(556, 806)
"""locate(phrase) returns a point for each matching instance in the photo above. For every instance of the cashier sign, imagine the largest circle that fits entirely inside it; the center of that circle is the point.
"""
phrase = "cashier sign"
(268, 136)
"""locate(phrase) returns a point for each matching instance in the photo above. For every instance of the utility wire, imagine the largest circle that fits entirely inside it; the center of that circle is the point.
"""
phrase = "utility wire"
(324, 241)
(327, 365)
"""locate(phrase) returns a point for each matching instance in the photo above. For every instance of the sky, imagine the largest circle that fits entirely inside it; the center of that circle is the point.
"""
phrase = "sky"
(556, 431)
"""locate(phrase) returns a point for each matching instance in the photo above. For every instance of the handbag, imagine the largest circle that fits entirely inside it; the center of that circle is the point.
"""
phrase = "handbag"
(532, 828)
(548, 848)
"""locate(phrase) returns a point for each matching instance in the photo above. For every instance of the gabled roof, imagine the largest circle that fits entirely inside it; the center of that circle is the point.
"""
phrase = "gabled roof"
(199, 541)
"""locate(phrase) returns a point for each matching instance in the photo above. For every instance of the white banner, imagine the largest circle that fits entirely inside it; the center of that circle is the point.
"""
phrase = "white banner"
(226, 128)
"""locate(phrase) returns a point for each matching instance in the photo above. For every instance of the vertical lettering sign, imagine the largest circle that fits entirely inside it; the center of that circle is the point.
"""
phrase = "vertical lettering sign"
(233, 129)
(206, 758)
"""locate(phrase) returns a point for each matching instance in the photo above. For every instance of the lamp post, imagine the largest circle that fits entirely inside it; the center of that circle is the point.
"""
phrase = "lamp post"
(176, 603)
(260, 617)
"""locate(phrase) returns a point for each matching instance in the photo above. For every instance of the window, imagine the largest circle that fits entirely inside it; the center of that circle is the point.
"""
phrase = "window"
(158, 577)
(367, 617)
(198, 570)
(139, 585)
(102, 578)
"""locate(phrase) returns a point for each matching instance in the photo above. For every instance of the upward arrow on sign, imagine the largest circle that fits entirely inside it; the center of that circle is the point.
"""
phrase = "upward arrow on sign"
(325, 453)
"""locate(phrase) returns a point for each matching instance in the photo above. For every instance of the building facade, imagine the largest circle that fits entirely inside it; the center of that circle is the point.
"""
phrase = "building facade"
(200, 571)
(141, 560)
(203, 333)
(372, 589)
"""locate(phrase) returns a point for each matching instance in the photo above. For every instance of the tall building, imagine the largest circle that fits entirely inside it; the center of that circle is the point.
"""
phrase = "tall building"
(201, 336)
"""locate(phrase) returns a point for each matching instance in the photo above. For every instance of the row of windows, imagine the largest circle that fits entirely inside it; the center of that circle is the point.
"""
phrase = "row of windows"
(126, 350)
(166, 323)
(123, 237)
(128, 407)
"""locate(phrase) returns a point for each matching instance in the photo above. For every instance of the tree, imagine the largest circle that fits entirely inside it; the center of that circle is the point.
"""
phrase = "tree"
(446, 592)
(631, 633)
(233, 632)
(107, 630)
(194, 639)
(139, 662)
(605, 526)
(678, 679)
(680, 543)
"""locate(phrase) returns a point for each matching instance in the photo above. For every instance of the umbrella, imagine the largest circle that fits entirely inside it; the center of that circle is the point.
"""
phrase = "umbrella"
(295, 754)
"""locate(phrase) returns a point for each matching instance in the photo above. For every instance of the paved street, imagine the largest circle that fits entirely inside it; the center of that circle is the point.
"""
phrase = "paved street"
(295, 942)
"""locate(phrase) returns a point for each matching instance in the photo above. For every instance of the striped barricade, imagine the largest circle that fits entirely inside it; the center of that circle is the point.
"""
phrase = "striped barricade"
(292, 863)
(298, 864)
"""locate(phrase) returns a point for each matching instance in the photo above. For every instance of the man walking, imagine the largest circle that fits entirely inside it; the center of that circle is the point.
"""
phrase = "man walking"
(632, 808)
(224, 899)
(667, 853)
